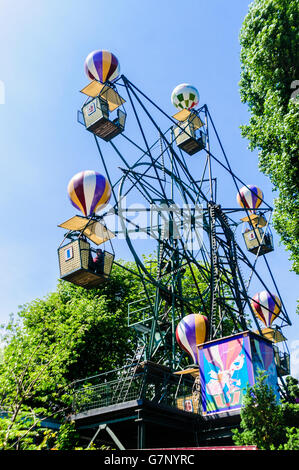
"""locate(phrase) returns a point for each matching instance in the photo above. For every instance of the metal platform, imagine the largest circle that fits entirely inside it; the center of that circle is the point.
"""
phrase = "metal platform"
(144, 407)
(140, 424)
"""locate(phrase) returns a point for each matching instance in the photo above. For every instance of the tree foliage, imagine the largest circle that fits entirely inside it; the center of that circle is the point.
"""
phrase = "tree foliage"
(269, 73)
(70, 334)
(266, 423)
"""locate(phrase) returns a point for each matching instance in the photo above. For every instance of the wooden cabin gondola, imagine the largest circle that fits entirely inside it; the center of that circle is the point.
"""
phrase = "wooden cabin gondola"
(187, 136)
(79, 266)
(102, 101)
(79, 262)
(257, 235)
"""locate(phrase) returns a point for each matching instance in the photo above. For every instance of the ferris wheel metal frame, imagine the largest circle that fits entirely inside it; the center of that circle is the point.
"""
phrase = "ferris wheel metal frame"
(158, 173)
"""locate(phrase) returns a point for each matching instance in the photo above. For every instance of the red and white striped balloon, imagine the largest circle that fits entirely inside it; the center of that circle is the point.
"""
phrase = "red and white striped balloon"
(250, 197)
(266, 307)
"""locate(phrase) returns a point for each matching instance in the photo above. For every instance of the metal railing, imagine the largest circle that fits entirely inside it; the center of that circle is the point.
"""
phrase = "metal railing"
(148, 382)
(139, 311)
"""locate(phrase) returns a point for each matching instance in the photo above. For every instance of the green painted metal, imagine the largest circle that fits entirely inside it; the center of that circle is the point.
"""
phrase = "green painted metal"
(157, 173)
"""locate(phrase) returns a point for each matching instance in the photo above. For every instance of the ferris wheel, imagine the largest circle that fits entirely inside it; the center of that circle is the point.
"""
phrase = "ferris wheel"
(159, 183)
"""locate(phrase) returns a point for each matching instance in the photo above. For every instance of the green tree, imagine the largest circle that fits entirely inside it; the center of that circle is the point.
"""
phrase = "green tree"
(21, 433)
(261, 417)
(67, 437)
(293, 388)
(266, 423)
(269, 72)
(70, 334)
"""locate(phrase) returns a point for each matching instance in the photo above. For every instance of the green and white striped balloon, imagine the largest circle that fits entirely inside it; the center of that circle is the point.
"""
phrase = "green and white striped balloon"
(185, 96)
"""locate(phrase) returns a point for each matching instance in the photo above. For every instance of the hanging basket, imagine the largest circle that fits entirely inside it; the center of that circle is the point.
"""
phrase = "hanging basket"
(77, 264)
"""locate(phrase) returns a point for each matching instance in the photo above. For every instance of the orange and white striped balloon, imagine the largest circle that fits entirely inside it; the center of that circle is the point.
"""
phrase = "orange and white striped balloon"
(250, 197)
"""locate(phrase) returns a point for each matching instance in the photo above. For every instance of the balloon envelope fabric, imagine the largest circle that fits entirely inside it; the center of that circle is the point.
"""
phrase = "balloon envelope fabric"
(185, 96)
(266, 307)
(89, 192)
(250, 197)
(102, 66)
(191, 331)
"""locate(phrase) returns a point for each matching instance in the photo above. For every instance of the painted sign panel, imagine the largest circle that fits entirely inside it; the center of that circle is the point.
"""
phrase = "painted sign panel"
(225, 370)
(91, 108)
(227, 366)
(263, 360)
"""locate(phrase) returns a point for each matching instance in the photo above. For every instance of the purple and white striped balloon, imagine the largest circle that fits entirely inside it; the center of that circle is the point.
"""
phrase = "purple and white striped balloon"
(89, 191)
(102, 65)
(250, 197)
(266, 307)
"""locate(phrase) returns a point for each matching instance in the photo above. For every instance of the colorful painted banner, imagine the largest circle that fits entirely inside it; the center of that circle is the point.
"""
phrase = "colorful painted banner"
(227, 366)
(263, 360)
(225, 373)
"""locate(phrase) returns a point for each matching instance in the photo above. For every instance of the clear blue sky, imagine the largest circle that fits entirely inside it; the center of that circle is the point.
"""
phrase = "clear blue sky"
(159, 44)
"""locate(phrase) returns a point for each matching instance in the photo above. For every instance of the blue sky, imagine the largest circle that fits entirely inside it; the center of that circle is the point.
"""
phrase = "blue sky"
(159, 45)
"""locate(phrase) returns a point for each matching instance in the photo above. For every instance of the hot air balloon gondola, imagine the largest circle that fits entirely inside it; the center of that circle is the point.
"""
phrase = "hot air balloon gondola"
(102, 67)
(267, 307)
(80, 263)
(256, 231)
(185, 97)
